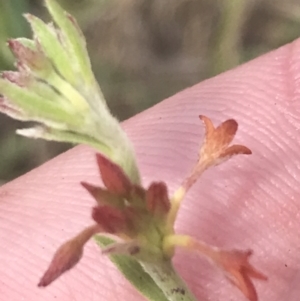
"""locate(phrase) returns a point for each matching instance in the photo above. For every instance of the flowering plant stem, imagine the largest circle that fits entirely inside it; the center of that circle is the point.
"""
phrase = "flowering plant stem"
(54, 87)
(168, 280)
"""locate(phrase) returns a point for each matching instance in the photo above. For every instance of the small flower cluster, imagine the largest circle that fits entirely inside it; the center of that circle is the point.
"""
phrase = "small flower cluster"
(54, 86)
(143, 219)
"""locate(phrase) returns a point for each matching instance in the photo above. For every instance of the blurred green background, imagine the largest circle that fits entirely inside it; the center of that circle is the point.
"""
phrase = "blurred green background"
(143, 51)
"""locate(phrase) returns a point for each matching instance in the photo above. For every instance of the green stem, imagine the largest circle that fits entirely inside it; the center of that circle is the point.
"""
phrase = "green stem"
(169, 282)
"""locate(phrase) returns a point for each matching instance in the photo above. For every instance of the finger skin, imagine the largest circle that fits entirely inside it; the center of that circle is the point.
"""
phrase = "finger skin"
(249, 202)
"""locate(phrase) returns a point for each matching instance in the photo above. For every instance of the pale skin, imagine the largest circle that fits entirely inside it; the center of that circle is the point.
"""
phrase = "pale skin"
(248, 202)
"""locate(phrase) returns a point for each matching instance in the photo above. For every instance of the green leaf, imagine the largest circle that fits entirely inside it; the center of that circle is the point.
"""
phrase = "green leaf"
(38, 108)
(75, 42)
(69, 92)
(64, 136)
(47, 92)
(134, 273)
(53, 49)
(43, 90)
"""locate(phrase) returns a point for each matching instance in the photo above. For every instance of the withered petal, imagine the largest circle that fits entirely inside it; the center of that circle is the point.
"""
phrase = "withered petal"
(222, 135)
(215, 148)
(236, 265)
(216, 140)
(243, 282)
(209, 127)
(235, 150)
(226, 131)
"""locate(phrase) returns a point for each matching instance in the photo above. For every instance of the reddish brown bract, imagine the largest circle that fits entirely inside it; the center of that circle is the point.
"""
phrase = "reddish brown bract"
(157, 198)
(111, 219)
(68, 255)
(113, 176)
